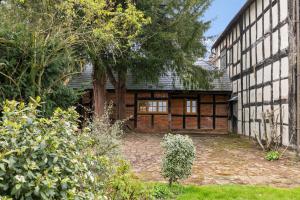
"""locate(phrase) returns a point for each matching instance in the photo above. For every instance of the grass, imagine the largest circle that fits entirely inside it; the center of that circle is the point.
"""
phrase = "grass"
(227, 192)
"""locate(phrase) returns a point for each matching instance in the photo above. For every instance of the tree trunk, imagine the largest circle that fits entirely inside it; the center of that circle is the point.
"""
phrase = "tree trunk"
(99, 83)
(121, 96)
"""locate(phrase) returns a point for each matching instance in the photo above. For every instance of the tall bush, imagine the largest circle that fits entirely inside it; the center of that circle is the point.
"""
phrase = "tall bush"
(46, 158)
(179, 155)
(106, 135)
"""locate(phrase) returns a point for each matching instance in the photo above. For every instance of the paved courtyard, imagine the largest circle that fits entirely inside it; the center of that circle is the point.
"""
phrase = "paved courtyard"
(219, 160)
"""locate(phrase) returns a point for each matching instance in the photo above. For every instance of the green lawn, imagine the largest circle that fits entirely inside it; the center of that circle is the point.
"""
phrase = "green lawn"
(229, 192)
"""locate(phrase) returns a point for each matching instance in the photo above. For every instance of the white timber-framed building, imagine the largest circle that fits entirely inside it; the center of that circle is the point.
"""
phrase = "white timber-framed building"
(259, 49)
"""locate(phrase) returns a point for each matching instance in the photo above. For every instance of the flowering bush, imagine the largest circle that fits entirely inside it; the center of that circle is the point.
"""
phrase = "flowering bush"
(179, 155)
(46, 158)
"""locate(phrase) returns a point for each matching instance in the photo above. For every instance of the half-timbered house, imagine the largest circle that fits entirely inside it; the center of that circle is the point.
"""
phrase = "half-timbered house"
(258, 49)
(168, 105)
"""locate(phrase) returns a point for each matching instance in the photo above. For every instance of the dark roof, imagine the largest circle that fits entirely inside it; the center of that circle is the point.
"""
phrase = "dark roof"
(166, 83)
(232, 23)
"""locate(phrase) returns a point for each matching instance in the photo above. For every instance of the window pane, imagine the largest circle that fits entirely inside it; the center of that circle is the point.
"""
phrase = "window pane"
(160, 103)
(194, 103)
(194, 110)
(188, 109)
(188, 103)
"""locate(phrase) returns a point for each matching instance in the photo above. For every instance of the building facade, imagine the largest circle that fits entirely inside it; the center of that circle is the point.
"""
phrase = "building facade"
(257, 51)
(168, 105)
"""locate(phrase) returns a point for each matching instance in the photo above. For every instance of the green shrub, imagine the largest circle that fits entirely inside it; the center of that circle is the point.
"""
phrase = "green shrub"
(272, 155)
(162, 191)
(125, 185)
(46, 158)
(179, 155)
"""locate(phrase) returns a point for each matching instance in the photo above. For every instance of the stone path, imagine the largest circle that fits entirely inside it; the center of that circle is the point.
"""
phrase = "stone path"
(219, 160)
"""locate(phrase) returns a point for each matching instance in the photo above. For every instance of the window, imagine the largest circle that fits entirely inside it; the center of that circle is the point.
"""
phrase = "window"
(152, 106)
(191, 106)
(162, 106)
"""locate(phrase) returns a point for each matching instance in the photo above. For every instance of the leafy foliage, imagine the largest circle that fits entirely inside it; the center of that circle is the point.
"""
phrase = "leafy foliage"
(37, 52)
(46, 158)
(179, 155)
(124, 185)
(180, 27)
(272, 155)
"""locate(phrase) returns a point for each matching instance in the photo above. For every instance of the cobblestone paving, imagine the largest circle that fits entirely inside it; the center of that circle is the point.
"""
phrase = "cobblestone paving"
(219, 160)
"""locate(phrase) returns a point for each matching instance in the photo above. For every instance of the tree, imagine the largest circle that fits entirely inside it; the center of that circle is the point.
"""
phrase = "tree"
(37, 53)
(106, 29)
(172, 42)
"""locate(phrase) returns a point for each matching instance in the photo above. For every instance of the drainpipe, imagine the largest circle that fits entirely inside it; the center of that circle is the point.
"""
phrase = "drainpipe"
(297, 23)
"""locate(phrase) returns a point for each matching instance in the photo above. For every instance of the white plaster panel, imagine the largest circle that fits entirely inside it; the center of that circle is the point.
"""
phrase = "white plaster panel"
(245, 83)
(247, 128)
(248, 38)
(246, 114)
(259, 52)
(239, 85)
(277, 113)
(267, 46)
(284, 89)
(283, 9)
(276, 70)
(253, 34)
(259, 28)
(285, 136)
(247, 18)
(252, 112)
(244, 61)
(266, 108)
(234, 86)
(259, 7)
(239, 100)
(240, 127)
(274, 15)
(285, 113)
(284, 67)
(276, 90)
(267, 93)
(284, 34)
(252, 79)
(238, 68)
(235, 53)
(267, 73)
(248, 59)
(259, 112)
(259, 76)
(275, 42)
(266, 4)
(267, 25)
(245, 97)
(259, 94)
(252, 96)
(252, 13)
(253, 56)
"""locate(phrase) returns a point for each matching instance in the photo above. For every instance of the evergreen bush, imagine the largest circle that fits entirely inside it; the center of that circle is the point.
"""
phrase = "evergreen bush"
(179, 155)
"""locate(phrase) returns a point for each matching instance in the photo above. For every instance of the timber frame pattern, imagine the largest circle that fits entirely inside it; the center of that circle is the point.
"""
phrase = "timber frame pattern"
(211, 111)
(256, 52)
